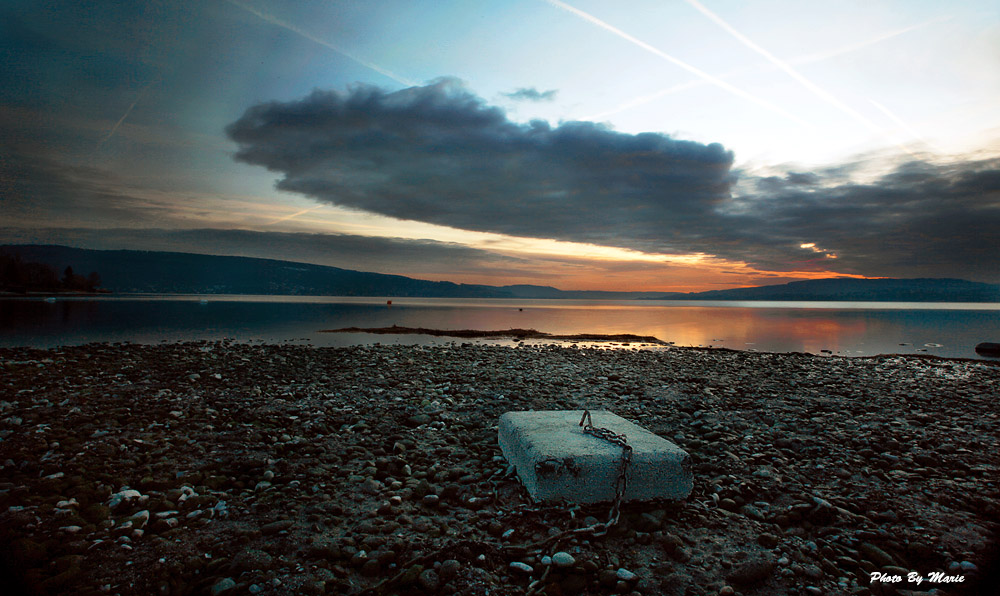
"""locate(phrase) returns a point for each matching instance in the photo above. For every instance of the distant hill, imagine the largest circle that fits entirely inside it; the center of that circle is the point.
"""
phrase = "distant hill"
(128, 271)
(859, 290)
(529, 291)
(131, 271)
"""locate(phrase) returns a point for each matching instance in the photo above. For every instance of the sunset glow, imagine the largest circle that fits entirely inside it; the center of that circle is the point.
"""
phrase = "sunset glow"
(678, 146)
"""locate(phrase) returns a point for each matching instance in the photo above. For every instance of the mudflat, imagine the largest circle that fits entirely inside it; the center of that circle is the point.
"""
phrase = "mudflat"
(230, 468)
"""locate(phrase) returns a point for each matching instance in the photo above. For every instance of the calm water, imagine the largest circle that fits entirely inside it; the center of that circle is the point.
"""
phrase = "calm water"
(861, 328)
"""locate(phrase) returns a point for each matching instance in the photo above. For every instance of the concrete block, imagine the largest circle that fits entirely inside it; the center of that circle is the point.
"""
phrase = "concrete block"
(556, 460)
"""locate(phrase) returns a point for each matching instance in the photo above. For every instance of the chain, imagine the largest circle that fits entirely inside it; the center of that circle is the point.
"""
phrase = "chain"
(621, 483)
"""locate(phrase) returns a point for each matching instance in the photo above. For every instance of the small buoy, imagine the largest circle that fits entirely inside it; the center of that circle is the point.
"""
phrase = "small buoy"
(388, 302)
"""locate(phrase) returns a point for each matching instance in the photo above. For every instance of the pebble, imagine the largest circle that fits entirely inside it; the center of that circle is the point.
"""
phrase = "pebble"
(429, 579)
(222, 586)
(418, 420)
(799, 450)
(875, 554)
(252, 559)
(563, 560)
(449, 569)
(123, 498)
(276, 526)
(519, 567)
(670, 542)
(608, 578)
(751, 572)
(625, 575)
(768, 540)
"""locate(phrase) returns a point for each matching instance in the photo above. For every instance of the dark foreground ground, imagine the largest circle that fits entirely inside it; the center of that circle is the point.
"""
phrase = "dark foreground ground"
(223, 468)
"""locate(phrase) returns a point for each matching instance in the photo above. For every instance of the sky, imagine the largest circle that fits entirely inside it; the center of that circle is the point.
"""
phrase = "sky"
(675, 145)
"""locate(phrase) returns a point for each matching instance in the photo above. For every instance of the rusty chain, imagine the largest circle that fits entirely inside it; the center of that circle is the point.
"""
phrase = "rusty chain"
(621, 483)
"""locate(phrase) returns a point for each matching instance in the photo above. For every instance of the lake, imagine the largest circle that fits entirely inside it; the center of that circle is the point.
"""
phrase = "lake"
(846, 328)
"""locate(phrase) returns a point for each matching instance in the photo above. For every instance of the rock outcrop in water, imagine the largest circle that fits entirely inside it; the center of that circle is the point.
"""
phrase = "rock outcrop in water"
(224, 468)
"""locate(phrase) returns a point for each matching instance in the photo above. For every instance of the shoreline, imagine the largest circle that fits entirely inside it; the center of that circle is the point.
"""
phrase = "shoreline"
(326, 470)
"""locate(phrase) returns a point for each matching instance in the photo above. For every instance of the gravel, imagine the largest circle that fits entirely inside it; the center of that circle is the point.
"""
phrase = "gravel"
(231, 468)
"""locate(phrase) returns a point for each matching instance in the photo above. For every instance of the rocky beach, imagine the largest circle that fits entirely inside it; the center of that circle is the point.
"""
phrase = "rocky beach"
(228, 468)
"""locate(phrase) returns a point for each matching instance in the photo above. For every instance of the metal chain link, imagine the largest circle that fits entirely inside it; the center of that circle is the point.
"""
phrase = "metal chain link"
(621, 483)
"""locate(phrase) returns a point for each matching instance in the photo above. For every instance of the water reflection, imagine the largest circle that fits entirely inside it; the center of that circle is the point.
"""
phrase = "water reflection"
(797, 327)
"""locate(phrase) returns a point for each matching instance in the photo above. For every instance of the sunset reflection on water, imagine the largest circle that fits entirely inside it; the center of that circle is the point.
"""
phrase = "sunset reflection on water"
(950, 330)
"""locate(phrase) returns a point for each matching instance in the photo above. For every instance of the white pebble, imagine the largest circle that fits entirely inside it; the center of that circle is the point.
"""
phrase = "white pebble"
(564, 559)
(521, 567)
(625, 575)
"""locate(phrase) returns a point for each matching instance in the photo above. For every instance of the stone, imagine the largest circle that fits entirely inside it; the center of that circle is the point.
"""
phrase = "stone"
(140, 519)
(607, 577)
(670, 542)
(768, 540)
(123, 497)
(520, 567)
(222, 586)
(252, 560)
(555, 459)
(449, 569)
(875, 554)
(275, 527)
(751, 572)
(752, 512)
(418, 420)
(625, 575)
(412, 574)
(563, 559)
(429, 580)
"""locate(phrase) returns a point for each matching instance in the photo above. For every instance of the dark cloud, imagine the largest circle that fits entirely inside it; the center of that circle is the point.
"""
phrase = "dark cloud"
(919, 220)
(439, 154)
(802, 178)
(532, 94)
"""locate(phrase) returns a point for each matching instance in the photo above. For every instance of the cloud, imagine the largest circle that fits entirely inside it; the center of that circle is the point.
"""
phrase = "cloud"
(37, 189)
(440, 154)
(921, 219)
(532, 94)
